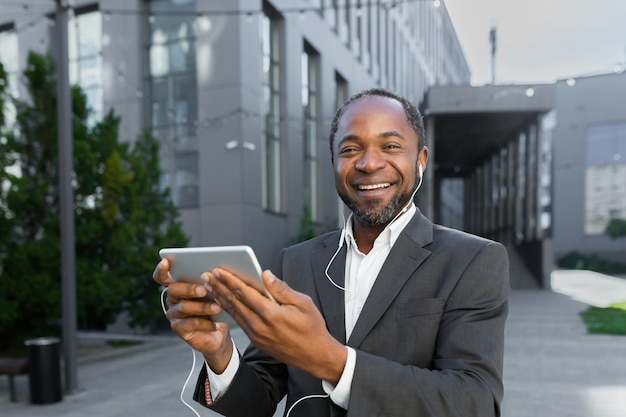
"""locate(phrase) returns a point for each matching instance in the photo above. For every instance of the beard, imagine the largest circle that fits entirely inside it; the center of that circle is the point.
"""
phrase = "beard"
(375, 212)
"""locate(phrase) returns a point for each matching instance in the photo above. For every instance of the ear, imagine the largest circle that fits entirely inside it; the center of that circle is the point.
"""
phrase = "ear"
(422, 160)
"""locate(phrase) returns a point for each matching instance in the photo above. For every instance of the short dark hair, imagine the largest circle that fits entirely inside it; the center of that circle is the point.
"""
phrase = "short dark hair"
(412, 114)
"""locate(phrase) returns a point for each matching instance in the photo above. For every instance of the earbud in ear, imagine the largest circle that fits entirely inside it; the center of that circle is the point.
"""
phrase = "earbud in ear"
(420, 170)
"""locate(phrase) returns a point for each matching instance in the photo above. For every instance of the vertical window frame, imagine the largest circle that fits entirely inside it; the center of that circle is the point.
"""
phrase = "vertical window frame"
(311, 126)
(272, 108)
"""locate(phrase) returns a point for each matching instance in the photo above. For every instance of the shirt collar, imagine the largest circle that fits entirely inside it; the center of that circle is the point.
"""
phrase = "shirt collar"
(389, 234)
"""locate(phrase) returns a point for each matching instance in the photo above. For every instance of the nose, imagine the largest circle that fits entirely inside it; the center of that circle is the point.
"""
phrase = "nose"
(370, 160)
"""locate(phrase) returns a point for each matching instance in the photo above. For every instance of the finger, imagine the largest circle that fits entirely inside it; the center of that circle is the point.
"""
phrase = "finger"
(190, 325)
(201, 334)
(233, 294)
(189, 308)
(280, 290)
(161, 273)
(178, 291)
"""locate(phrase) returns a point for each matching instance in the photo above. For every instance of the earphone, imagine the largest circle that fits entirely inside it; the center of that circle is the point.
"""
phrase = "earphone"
(342, 237)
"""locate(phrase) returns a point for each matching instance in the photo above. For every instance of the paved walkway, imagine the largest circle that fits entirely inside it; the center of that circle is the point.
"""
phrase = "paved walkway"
(553, 368)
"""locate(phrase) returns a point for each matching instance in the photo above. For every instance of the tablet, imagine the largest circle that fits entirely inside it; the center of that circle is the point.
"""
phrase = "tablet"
(187, 264)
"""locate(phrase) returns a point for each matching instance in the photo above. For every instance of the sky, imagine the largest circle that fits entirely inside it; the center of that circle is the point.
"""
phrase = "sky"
(540, 40)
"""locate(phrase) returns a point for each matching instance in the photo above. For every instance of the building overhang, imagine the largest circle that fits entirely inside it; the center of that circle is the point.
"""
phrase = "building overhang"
(471, 123)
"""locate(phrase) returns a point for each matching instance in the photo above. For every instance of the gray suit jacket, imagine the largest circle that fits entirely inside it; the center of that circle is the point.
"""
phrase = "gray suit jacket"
(429, 340)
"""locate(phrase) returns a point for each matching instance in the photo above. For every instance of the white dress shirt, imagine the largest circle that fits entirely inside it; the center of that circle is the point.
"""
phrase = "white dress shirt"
(360, 274)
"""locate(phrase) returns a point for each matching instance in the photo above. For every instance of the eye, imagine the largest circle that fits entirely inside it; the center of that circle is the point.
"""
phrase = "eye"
(392, 146)
(346, 150)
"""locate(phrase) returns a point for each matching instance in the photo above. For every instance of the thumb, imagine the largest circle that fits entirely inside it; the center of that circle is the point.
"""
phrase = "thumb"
(280, 290)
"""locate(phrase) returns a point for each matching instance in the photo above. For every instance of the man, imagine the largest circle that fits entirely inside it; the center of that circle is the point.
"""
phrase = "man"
(391, 316)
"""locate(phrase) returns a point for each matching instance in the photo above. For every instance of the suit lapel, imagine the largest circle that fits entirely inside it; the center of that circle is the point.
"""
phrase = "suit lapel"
(331, 298)
(405, 257)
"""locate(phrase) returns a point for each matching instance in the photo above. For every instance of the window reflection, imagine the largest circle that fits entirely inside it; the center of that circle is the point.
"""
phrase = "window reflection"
(310, 98)
(85, 58)
(186, 179)
(271, 108)
(9, 56)
(172, 105)
(605, 174)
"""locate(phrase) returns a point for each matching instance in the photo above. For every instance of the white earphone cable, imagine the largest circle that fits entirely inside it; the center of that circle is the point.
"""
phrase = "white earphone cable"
(342, 238)
(305, 398)
(193, 363)
(341, 241)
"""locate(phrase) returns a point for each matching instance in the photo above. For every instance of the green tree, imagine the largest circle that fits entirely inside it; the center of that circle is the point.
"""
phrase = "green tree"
(307, 226)
(616, 228)
(122, 217)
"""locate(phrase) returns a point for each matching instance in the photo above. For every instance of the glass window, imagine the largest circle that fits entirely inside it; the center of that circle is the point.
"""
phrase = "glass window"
(605, 175)
(341, 96)
(383, 45)
(85, 57)
(9, 56)
(358, 29)
(331, 13)
(159, 54)
(271, 109)
(310, 100)
(172, 102)
(346, 26)
(606, 144)
(186, 186)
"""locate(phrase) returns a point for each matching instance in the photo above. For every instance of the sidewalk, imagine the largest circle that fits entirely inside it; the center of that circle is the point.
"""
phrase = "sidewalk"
(553, 368)
(140, 380)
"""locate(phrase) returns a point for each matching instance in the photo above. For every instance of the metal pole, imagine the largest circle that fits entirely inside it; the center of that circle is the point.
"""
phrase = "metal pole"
(66, 198)
(492, 40)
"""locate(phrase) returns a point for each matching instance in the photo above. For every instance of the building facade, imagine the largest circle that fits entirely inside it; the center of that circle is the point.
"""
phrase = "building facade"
(241, 94)
(589, 143)
(540, 168)
(492, 169)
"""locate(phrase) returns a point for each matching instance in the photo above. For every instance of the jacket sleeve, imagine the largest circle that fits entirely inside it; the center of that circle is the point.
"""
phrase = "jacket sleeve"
(257, 388)
(465, 378)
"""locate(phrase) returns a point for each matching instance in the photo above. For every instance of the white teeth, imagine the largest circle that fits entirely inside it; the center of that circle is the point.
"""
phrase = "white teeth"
(373, 186)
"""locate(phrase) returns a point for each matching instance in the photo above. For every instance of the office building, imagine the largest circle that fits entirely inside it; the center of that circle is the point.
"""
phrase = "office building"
(241, 94)
(589, 142)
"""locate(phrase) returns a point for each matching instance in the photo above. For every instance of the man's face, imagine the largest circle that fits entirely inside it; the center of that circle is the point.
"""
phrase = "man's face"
(376, 159)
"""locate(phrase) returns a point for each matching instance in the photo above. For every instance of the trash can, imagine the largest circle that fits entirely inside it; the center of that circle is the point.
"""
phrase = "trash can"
(44, 370)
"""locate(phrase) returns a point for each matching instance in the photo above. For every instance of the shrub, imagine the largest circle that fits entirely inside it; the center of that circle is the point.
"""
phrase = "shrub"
(575, 260)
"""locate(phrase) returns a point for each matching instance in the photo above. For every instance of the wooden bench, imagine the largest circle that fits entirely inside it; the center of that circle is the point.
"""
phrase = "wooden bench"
(12, 367)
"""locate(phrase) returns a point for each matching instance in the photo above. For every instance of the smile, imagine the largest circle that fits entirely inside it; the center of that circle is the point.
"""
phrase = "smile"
(373, 186)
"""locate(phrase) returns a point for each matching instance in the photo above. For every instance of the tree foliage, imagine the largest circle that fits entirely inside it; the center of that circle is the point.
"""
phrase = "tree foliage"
(307, 226)
(616, 228)
(122, 217)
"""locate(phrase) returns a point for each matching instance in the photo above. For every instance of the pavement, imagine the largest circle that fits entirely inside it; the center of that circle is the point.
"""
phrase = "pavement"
(552, 366)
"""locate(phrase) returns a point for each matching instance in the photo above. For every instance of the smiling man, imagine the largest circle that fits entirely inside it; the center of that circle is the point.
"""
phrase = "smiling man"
(378, 155)
(392, 315)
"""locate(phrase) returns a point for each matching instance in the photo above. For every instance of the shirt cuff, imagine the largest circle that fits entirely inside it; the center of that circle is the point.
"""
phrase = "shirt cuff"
(220, 382)
(340, 393)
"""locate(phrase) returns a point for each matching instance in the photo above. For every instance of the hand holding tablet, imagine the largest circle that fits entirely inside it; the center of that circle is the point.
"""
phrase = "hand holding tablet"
(188, 264)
